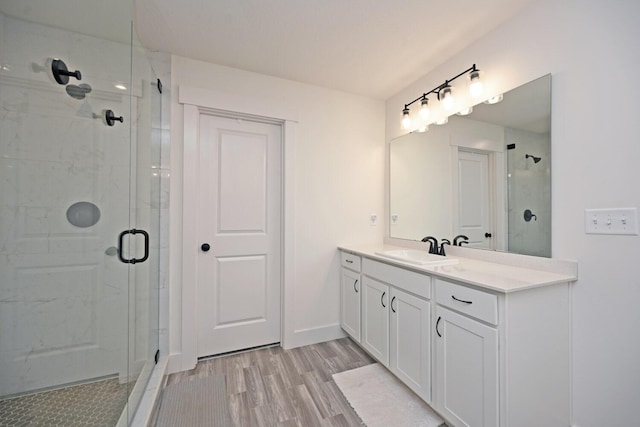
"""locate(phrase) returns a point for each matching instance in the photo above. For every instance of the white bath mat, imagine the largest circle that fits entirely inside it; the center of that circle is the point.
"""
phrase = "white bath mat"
(380, 399)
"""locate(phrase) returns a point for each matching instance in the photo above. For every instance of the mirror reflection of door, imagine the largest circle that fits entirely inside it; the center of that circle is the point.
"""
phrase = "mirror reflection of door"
(474, 204)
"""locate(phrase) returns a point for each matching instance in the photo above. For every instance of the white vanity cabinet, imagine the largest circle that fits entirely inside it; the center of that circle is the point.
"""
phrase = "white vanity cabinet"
(350, 291)
(410, 341)
(396, 322)
(495, 337)
(501, 359)
(375, 319)
(466, 356)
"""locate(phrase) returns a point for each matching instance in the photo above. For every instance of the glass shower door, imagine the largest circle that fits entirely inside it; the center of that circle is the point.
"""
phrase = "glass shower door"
(66, 182)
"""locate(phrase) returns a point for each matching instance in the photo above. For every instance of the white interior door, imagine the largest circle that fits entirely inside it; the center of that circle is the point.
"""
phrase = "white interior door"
(239, 217)
(473, 213)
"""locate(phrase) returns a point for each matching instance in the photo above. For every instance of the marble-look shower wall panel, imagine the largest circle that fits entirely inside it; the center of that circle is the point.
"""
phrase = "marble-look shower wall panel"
(59, 314)
(64, 295)
(160, 198)
(102, 63)
(37, 194)
(161, 64)
(160, 148)
(60, 129)
(529, 188)
(41, 304)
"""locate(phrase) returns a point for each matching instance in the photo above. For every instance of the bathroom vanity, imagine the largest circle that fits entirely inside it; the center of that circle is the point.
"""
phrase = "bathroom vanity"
(485, 342)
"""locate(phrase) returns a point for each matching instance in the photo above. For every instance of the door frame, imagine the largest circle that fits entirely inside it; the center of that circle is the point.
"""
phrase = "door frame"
(197, 102)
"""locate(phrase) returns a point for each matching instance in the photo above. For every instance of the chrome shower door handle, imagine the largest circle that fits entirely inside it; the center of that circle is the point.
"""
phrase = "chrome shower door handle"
(146, 246)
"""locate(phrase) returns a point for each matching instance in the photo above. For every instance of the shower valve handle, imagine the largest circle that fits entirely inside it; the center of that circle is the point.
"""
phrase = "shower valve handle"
(111, 118)
(61, 73)
(77, 74)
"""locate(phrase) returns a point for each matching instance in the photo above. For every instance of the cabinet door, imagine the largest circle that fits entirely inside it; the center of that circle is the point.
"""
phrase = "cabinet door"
(350, 303)
(375, 319)
(410, 355)
(466, 370)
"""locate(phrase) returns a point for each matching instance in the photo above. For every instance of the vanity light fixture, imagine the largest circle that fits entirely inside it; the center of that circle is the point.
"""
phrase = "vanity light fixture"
(465, 111)
(442, 121)
(424, 108)
(406, 119)
(447, 98)
(444, 93)
(494, 99)
(475, 84)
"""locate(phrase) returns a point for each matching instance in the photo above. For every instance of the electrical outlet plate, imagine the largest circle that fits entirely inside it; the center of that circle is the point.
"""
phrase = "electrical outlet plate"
(374, 219)
(620, 221)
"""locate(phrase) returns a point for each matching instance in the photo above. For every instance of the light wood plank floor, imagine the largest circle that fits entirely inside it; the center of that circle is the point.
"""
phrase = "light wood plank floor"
(272, 387)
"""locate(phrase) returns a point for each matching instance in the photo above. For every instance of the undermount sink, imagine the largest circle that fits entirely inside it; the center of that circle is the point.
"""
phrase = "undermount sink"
(414, 256)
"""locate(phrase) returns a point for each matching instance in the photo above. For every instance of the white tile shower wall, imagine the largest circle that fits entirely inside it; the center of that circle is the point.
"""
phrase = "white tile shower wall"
(55, 151)
(529, 188)
(161, 64)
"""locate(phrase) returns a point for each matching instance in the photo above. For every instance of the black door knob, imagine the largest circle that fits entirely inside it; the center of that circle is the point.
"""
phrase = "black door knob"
(205, 247)
(487, 235)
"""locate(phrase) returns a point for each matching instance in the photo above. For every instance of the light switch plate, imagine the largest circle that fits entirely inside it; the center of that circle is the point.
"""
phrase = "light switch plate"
(622, 221)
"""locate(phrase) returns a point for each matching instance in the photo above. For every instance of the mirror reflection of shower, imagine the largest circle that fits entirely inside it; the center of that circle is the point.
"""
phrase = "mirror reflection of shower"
(535, 159)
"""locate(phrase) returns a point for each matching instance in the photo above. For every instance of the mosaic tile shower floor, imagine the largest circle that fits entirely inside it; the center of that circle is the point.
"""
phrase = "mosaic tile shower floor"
(94, 404)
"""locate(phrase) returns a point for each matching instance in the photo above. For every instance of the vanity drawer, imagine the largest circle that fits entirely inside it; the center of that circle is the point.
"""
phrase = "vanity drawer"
(350, 261)
(472, 302)
(410, 281)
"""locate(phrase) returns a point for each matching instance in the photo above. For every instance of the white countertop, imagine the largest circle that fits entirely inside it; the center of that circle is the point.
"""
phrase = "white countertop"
(488, 275)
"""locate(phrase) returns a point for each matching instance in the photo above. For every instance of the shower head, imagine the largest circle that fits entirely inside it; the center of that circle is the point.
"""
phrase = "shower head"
(78, 91)
(535, 159)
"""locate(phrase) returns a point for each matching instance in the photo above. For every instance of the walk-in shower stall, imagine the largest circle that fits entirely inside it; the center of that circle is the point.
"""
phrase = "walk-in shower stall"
(79, 221)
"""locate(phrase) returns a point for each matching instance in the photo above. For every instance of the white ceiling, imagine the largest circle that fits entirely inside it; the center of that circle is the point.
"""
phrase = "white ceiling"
(369, 47)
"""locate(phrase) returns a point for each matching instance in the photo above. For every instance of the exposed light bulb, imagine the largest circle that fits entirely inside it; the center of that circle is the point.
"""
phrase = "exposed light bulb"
(447, 98)
(424, 109)
(465, 111)
(475, 87)
(406, 119)
(423, 129)
(494, 99)
(442, 121)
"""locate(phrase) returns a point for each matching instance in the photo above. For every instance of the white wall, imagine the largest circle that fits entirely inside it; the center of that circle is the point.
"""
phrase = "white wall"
(421, 202)
(591, 50)
(339, 174)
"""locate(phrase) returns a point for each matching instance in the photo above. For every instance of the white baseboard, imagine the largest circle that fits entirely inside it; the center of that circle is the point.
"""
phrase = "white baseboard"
(309, 336)
(299, 338)
(174, 363)
(149, 400)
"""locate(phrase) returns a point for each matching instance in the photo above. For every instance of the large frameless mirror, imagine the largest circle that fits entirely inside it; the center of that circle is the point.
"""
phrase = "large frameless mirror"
(486, 175)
